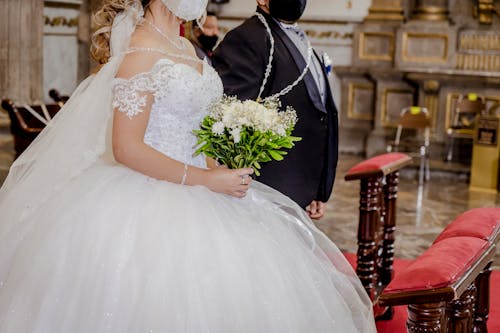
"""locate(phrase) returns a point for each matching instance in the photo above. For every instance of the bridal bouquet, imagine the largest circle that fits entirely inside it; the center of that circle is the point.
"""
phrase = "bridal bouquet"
(245, 133)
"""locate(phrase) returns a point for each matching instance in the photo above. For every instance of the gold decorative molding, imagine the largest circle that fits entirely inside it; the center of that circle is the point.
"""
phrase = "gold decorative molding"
(431, 99)
(479, 50)
(351, 110)
(61, 21)
(364, 38)
(484, 10)
(482, 41)
(385, 10)
(431, 86)
(312, 33)
(328, 34)
(479, 62)
(431, 102)
(431, 13)
(408, 37)
(302, 20)
(384, 115)
(378, 14)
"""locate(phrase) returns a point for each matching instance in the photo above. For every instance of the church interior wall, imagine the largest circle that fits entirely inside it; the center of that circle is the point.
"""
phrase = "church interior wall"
(55, 48)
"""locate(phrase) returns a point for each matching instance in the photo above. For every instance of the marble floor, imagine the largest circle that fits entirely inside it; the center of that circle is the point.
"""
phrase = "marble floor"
(422, 212)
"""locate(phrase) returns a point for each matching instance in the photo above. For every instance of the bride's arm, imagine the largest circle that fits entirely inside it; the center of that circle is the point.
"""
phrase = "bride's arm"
(130, 150)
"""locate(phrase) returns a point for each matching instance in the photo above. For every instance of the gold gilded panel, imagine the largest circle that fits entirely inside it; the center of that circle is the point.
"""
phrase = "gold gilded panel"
(61, 21)
(359, 96)
(431, 102)
(486, 41)
(393, 101)
(482, 62)
(425, 47)
(376, 46)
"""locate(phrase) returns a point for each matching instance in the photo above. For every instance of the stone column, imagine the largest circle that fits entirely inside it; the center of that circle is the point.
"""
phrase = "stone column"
(84, 40)
(21, 35)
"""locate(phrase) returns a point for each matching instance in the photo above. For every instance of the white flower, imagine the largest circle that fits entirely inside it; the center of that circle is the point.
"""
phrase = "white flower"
(235, 132)
(233, 114)
(218, 128)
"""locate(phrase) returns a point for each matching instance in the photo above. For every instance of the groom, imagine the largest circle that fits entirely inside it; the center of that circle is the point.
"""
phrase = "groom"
(308, 171)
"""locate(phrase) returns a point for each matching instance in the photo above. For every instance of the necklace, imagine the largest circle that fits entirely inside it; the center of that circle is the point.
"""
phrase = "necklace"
(168, 54)
(179, 44)
(267, 72)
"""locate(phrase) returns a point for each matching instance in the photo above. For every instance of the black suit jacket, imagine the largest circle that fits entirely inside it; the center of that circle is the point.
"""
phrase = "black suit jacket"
(308, 171)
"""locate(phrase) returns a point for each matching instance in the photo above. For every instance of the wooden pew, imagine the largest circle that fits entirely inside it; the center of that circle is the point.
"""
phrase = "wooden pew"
(57, 97)
(447, 287)
(23, 125)
(379, 178)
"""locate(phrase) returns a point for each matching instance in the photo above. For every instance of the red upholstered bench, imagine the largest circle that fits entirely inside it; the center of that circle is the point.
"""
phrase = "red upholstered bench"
(377, 218)
(378, 166)
(447, 287)
(482, 223)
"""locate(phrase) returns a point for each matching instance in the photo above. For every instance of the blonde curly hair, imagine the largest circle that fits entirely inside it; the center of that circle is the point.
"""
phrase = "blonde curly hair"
(103, 20)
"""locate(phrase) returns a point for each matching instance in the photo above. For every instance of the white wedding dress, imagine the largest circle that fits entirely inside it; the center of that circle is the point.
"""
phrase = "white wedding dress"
(112, 250)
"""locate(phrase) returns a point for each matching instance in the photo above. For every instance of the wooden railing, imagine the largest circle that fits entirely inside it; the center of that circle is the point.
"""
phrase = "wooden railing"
(379, 177)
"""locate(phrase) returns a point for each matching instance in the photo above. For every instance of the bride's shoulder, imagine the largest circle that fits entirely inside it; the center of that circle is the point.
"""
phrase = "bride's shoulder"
(142, 55)
(135, 63)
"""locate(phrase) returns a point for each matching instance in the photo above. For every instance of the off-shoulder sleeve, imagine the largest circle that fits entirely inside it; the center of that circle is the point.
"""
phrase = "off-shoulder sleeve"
(130, 95)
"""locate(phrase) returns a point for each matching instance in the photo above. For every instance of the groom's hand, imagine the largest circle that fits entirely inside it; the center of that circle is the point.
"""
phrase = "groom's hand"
(316, 209)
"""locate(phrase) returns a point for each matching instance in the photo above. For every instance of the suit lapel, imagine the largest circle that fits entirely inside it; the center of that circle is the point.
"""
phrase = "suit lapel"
(311, 87)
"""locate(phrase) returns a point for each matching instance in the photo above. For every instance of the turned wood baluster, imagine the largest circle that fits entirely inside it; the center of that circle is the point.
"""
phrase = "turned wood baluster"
(482, 304)
(459, 312)
(425, 318)
(379, 235)
(390, 196)
(369, 224)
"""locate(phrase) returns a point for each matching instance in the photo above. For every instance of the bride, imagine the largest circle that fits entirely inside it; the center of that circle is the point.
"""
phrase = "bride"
(109, 224)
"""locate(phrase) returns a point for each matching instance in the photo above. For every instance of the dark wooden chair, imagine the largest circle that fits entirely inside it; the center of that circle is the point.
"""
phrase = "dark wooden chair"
(57, 97)
(463, 120)
(416, 119)
(24, 126)
(379, 178)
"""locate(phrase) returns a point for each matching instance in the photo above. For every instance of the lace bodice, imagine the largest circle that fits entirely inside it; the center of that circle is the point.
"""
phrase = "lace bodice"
(181, 99)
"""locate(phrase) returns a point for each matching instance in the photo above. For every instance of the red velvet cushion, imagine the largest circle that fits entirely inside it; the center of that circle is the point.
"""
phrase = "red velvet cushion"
(478, 222)
(352, 258)
(441, 265)
(378, 162)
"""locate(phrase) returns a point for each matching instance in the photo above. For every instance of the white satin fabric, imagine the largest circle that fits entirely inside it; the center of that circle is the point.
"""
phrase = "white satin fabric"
(88, 245)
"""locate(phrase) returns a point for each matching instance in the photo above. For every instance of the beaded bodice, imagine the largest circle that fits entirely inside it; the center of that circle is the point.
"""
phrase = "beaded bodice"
(181, 99)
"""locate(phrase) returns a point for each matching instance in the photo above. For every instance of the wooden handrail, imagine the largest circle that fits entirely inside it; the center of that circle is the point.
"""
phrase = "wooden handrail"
(379, 178)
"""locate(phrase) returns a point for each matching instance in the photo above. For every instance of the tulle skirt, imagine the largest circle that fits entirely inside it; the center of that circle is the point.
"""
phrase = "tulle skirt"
(116, 251)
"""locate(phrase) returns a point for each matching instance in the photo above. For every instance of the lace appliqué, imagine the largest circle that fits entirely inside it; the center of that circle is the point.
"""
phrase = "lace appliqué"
(182, 97)
(130, 95)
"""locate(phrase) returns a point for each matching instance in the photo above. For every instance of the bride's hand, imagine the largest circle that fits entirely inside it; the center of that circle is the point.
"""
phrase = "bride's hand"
(233, 182)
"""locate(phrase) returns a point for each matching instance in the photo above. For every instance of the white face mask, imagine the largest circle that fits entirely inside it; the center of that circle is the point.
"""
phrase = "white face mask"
(187, 9)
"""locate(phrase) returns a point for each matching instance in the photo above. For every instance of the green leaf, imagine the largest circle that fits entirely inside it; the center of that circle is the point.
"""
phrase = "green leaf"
(275, 155)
